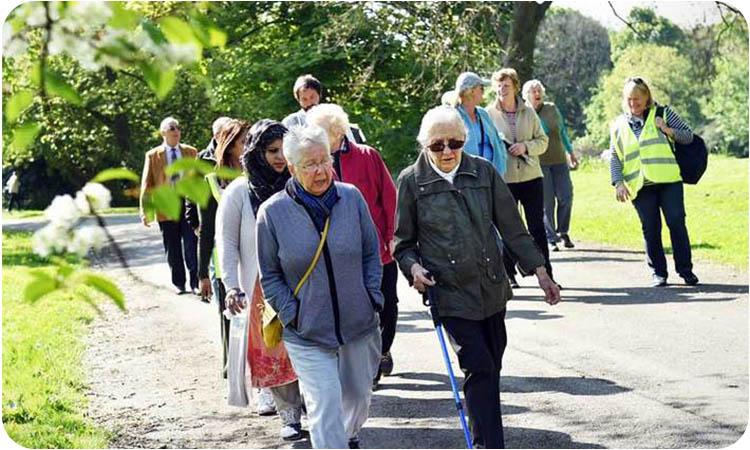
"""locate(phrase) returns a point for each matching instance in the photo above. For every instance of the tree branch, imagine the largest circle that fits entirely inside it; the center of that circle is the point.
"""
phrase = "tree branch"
(625, 21)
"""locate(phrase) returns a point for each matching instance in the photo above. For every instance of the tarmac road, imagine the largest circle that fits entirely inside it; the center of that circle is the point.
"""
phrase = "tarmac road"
(616, 364)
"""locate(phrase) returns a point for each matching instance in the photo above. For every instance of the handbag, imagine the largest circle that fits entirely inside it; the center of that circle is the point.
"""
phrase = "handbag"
(272, 326)
(692, 158)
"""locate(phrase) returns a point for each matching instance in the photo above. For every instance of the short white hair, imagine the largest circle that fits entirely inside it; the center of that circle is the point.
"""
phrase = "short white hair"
(218, 123)
(330, 117)
(529, 85)
(166, 123)
(300, 138)
(440, 116)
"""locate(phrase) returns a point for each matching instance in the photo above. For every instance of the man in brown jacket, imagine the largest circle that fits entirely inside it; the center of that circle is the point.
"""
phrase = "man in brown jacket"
(177, 235)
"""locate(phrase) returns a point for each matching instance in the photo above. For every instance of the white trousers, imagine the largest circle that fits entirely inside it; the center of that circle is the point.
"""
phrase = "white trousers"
(337, 386)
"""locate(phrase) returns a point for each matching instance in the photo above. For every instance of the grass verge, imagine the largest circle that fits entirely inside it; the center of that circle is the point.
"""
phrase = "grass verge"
(38, 213)
(717, 212)
(44, 405)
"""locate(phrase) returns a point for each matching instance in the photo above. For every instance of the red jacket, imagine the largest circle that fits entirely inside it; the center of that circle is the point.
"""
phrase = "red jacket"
(363, 167)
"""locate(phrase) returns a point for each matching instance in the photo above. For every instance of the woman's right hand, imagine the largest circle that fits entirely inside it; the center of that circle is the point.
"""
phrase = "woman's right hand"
(205, 285)
(234, 301)
(621, 191)
(418, 274)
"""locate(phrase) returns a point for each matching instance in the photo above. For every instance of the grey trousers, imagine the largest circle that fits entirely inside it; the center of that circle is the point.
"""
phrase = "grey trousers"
(558, 192)
(288, 402)
(337, 386)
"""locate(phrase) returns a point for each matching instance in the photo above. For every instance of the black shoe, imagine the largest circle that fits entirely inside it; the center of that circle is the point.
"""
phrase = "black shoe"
(513, 282)
(658, 281)
(566, 241)
(354, 443)
(690, 278)
(386, 364)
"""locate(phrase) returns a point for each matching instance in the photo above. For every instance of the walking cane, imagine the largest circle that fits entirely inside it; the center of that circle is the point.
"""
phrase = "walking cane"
(430, 299)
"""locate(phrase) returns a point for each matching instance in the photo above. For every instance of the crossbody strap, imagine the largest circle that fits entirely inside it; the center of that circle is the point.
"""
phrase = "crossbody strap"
(323, 237)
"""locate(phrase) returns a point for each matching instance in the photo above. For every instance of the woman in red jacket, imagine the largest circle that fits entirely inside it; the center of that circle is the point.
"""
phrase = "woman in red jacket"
(363, 167)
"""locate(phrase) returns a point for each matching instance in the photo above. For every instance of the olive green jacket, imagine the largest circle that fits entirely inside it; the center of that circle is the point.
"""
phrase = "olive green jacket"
(452, 230)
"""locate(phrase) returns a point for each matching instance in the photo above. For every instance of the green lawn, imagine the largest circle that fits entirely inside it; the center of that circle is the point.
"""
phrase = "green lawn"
(43, 380)
(717, 212)
(34, 213)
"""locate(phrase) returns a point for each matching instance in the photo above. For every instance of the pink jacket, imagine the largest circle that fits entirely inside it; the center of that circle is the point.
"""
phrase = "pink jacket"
(363, 167)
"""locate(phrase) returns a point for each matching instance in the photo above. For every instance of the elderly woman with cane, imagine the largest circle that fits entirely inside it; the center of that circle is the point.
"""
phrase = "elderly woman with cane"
(451, 205)
(320, 269)
(265, 173)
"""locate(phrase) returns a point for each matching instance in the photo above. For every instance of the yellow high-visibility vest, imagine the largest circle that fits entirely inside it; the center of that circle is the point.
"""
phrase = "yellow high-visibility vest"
(216, 191)
(648, 157)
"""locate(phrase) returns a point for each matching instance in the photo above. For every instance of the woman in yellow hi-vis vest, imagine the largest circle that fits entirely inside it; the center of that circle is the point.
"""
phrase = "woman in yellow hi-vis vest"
(644, 169)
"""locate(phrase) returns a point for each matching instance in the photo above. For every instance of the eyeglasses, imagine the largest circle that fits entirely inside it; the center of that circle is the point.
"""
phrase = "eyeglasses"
(173, 128)
(439, 146)
(312, 167)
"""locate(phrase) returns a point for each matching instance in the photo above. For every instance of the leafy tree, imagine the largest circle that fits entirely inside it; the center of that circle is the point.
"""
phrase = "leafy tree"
(644, 27)
(566, 39)
(670, 82)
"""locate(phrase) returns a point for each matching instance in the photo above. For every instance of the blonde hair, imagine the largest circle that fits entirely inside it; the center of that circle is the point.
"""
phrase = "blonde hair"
(439, 116)
(507, 72)
(330, 117)
(636, 84)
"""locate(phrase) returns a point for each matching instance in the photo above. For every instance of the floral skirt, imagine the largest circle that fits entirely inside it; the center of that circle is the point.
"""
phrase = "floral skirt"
(269, 367)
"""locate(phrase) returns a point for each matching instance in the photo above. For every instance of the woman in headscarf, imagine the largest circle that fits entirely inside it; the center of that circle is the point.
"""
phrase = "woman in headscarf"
(265, 173)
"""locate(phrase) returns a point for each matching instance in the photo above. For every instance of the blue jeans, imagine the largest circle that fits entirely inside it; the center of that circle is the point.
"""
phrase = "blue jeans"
(651, 202)
(558, 188)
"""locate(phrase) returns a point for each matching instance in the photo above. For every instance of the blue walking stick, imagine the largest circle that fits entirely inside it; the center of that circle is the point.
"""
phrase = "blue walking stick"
(430, 299)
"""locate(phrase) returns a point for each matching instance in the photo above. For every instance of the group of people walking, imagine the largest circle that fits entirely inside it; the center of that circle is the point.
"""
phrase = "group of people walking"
(315, 230)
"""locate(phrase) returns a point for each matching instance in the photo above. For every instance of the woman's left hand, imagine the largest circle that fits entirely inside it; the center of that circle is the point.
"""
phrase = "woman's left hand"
(660, 124)
(550, 288)
(517, 149)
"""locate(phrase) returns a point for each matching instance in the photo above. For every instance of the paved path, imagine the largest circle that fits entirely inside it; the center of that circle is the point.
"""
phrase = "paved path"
(617, 364)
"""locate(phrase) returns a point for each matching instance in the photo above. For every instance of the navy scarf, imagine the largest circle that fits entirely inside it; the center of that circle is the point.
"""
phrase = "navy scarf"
(318, 207)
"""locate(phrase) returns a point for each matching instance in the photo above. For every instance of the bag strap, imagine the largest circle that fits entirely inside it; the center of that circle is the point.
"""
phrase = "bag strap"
(322, 242)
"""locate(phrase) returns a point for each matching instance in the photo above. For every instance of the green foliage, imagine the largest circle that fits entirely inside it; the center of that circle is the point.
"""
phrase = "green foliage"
(726, 102)
(17, 104)
(566, 38)
(115, 174)
(44, 392)
(670, 82)
(650, 28)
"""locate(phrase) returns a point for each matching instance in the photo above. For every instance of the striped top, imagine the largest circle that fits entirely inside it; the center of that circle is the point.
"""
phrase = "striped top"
(511, 118)
(682, 135)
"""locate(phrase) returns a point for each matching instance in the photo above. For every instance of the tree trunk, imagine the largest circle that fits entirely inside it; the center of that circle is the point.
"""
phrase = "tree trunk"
(522, 38)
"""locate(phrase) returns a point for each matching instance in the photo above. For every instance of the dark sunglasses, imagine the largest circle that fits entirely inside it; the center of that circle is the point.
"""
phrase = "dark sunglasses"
(439, 146)
(637, 80)
(173, 128)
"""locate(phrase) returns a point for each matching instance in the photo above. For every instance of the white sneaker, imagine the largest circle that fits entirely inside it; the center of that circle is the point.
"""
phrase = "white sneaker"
(266, 406)
(292, 432)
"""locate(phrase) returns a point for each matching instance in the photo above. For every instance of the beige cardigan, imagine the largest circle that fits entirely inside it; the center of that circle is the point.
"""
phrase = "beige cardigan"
(529, 132)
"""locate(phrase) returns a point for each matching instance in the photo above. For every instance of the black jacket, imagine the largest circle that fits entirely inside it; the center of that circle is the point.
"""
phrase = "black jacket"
(452, 230)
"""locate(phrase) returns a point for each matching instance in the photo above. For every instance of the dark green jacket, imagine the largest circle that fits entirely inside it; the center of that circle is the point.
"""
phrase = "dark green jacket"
(451, 229)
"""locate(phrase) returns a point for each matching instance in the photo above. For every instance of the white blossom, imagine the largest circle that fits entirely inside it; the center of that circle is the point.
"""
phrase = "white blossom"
(98, 195)
(49, 239)
(85, 238)
(63, 211)
(82, 203)
(182, 53)
(87, 15)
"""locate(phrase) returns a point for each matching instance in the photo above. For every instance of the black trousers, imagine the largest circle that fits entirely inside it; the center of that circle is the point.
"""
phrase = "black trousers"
(224, 324)
(652, 201)
(12, 200)
(389, 314)
(181, 247)
(480, 345)
(531, 196)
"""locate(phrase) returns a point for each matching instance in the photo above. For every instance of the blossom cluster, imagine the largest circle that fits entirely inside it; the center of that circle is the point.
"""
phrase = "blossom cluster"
(62, 233)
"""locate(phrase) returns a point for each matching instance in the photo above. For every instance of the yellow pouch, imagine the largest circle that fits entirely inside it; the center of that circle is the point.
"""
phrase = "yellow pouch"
(272, 327)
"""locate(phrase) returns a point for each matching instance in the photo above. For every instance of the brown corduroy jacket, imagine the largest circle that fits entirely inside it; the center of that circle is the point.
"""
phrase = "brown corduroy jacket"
(153, 172)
